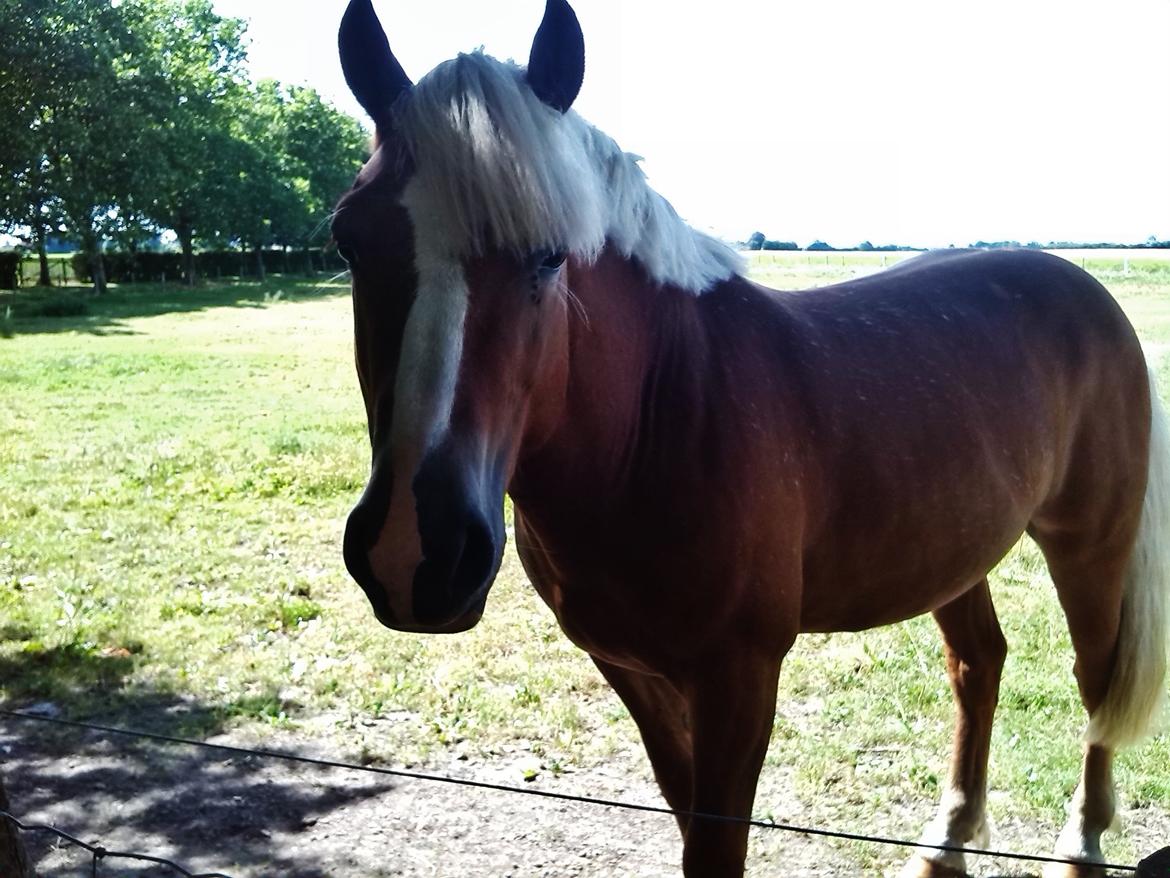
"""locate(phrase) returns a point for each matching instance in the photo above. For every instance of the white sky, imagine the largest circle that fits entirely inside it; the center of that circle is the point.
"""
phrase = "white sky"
(909, 121)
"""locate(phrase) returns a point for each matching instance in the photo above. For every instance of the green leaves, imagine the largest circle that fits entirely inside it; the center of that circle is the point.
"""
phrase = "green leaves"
(124, 119)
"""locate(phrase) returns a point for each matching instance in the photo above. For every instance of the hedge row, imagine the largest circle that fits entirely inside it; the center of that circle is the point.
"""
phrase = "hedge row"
(9, 268)
(131, 267)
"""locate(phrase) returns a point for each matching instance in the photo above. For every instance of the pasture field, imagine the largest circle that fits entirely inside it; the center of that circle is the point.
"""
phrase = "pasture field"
(175, 471)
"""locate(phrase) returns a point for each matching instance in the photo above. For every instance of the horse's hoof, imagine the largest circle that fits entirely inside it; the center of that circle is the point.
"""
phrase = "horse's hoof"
(1065, 870)
(920, 867)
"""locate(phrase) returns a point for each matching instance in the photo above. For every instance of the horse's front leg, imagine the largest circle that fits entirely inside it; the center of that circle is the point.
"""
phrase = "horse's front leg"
(663, 718)
(732, 706)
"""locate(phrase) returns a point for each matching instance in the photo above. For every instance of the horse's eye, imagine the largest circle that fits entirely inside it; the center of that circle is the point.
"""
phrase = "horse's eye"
(347, 254)
(553, 261)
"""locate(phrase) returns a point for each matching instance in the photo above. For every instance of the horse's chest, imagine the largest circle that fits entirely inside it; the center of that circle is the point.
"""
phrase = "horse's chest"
(623, 613)
(601, 628)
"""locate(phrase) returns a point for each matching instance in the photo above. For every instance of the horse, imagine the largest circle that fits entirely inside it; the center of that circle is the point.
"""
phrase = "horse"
(702, 468)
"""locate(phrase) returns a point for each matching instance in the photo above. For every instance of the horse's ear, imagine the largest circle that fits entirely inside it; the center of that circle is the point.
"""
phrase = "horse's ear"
(372, 72)
(556, 66)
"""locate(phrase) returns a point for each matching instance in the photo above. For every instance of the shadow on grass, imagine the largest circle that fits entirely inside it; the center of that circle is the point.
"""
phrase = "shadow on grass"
(205, 809)
(76, 309)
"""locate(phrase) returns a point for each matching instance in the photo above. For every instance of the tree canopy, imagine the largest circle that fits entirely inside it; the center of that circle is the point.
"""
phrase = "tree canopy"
(121, 120)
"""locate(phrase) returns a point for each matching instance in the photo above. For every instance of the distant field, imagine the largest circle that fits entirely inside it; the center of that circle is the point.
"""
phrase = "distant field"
(177, 466)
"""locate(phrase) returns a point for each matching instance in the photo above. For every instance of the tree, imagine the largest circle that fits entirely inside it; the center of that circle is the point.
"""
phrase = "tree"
(756, 241)
(265, 204)
(121, 118)
(80, 116)
(33, 79)
(195, 61)
(324, 150)
(105, 147)
(295, 155)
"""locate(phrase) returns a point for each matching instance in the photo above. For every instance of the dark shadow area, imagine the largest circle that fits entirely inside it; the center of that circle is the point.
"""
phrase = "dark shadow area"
(205, 809)
(39, 310)
(71, 673)
(79, 682)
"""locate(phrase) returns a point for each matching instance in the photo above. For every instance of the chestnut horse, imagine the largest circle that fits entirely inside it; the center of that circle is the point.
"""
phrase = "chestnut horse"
(702, 468)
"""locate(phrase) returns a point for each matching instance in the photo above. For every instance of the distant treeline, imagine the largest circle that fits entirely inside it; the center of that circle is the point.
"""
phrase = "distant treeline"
(122, 267)
(1150, 243)
(758, 241)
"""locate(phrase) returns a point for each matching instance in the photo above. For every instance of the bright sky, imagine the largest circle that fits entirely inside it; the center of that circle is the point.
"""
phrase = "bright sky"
(909, 121)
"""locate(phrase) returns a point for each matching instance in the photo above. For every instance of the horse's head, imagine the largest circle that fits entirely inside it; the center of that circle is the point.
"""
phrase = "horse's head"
(457, 246)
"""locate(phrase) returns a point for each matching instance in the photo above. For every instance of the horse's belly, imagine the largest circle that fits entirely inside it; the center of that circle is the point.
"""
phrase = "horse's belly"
(884, 577)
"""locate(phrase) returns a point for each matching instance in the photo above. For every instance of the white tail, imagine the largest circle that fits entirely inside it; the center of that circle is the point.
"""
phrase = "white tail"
(1137, 686)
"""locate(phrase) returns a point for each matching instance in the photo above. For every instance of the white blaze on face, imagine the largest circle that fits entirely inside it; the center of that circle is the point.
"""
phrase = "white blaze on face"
(424, 392)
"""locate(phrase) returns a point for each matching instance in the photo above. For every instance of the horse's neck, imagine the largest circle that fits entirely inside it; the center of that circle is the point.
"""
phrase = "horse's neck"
(638, 391)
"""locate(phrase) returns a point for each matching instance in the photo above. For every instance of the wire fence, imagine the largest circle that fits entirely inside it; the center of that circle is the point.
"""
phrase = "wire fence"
(1155, 866)
(99, 854)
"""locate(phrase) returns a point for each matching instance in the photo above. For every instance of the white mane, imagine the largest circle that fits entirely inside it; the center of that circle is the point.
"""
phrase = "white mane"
(495, 166)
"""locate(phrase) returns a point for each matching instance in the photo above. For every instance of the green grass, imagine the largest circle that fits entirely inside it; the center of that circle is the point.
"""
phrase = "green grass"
(177, 466)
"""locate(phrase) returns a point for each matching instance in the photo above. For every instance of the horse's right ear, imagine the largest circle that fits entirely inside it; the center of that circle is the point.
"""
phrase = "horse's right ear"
(372, 72)
(556, 65)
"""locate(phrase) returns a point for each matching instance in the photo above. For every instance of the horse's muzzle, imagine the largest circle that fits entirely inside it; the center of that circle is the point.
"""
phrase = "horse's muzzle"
(461, 532)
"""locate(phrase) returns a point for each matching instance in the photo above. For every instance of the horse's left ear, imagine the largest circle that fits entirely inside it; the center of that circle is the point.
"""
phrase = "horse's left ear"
(556, 65)
(371, 71)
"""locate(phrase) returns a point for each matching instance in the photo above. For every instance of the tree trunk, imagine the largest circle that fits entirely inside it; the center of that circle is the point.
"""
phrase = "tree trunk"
(284, 259)
(260, 265)
(309, 268)
(44, 279)
(187, 242)
(14, 859)
(97, 265)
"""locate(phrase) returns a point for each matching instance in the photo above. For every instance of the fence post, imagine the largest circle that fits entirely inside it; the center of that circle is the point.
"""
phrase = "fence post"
(13, 857)
(63, 279)
(1155, 865)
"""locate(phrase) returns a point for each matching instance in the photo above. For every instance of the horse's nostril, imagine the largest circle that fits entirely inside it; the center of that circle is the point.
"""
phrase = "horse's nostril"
(476, 562)
(450, 580)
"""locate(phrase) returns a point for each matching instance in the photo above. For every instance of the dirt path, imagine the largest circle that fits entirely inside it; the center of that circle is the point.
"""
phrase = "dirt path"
(251, 817)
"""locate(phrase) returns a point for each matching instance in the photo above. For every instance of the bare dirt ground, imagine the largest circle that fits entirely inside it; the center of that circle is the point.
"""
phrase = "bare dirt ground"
(248, 816)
